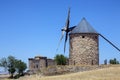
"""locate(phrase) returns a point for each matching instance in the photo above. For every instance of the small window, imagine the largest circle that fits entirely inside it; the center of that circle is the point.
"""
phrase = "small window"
(36, 65)
(95, 37)
(83, 36)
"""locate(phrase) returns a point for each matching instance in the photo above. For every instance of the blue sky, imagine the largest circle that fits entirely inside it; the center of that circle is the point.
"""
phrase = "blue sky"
(33, 27)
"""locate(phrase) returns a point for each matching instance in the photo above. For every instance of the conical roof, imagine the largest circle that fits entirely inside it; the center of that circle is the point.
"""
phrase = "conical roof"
(84, 27)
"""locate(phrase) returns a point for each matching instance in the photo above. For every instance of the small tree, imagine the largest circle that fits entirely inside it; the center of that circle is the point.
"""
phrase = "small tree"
(11, 65)
(60, 59)
(3, 63)
(20, 67)
(105, 61)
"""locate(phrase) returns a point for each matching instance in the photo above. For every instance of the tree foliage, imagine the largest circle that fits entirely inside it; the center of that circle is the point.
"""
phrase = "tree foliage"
(13, 65)
(3, 63)
(20, 67)
(105, 61)
(11, 62)
(60, 59)
(114, 61)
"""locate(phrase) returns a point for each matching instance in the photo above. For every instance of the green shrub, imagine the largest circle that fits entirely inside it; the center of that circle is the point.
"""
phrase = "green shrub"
(113, 61)
(60, 59)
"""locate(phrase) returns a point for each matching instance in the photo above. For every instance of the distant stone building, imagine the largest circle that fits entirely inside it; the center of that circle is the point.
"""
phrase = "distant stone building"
(39, 62)
(84, 45)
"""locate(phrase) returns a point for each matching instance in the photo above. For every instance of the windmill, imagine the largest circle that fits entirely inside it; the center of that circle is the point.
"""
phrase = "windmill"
(83, 41)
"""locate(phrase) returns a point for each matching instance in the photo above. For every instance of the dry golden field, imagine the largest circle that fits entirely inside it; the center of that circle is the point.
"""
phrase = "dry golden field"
(111, 73)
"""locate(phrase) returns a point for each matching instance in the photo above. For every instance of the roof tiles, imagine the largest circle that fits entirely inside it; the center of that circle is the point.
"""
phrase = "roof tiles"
(83, 27)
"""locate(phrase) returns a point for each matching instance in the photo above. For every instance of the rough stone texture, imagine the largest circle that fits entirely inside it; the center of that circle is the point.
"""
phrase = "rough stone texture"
(56, 70)
(50, 62)
(84, 49)
(37, 63)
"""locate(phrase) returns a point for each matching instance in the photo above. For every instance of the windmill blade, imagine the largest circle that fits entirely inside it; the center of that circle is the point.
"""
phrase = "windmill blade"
(71, 28)
(110, 42)
(66, 37)
(60, 39)
(67, 29)
(68, 21)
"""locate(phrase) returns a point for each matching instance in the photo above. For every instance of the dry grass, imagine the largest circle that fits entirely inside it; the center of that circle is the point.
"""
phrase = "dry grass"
(111, 73)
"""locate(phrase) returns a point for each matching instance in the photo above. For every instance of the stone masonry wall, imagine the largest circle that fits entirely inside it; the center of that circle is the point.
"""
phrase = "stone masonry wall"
(50, 62)
(84, 49)
(31, 66)
(42, 63)
(37, 63)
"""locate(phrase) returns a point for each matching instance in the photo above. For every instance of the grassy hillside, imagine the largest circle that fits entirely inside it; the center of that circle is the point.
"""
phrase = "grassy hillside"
(111, 73)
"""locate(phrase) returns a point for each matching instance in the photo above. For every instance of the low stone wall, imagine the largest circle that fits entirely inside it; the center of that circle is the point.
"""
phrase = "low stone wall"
(56, 70)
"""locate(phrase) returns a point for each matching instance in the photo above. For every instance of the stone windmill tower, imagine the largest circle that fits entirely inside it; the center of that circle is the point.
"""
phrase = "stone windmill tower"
(83, 45)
